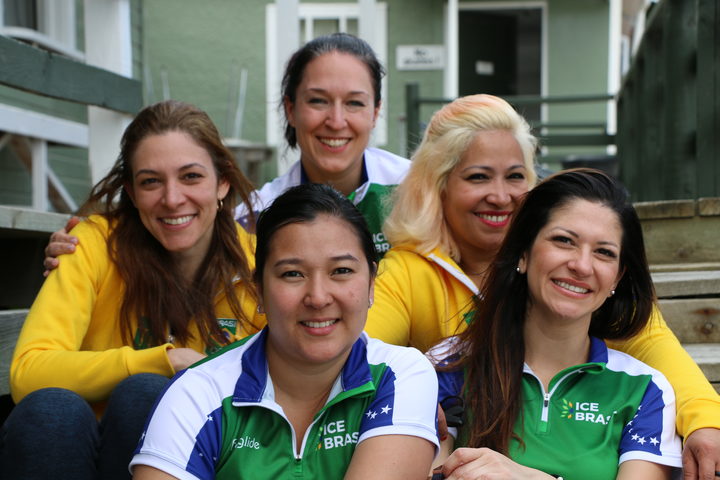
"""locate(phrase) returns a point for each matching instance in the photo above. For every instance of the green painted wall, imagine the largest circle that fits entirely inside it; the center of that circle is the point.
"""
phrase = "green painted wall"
(201, 46)
(411, 22)
(577, 64)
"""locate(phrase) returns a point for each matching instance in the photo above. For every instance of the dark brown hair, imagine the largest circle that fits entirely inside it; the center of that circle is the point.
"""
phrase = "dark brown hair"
(492, 349)
(154, 287)
(335, 42)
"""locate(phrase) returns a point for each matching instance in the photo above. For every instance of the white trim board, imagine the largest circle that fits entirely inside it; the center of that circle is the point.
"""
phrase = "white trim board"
(41, 126)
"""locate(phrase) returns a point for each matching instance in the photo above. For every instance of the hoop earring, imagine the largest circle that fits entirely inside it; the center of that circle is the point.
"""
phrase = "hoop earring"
(220, 204)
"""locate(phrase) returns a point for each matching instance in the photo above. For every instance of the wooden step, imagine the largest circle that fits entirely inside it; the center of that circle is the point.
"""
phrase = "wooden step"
(707, 356)
(693, 320)
(11, 322)
(687, 283)
(28, 220)
(681, 231)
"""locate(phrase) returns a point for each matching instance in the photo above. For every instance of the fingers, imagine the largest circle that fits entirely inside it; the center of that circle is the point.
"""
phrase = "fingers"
(689, 465)
(181, 358)
(49, 264)
(701, 455)
(60, 244)
(460, 457)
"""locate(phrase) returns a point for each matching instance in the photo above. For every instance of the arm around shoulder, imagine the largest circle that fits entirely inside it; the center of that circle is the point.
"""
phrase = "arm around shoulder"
(698, 405)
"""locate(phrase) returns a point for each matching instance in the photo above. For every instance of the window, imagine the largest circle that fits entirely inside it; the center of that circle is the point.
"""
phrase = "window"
(318, 19)
(49, 24)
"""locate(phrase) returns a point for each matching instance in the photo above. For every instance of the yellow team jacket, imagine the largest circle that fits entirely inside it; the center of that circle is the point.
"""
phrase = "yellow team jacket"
(422, 298)
(72, 339)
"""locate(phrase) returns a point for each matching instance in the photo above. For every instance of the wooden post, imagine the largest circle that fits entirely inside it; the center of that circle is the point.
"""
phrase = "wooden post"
(108, 45)
(412, 116)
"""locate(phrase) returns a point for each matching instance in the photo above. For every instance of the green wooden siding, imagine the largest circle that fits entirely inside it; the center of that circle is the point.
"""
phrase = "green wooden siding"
(669, 105)
(38, 71)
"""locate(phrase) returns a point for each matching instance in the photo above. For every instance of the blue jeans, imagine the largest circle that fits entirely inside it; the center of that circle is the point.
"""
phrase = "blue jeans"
(53, 433)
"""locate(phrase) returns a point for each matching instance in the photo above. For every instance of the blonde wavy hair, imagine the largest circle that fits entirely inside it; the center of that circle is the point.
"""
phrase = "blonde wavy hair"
(417, 215)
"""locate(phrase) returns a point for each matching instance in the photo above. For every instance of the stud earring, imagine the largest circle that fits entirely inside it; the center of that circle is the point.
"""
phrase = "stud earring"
(612, 292)
(517, 269)
(260, 309)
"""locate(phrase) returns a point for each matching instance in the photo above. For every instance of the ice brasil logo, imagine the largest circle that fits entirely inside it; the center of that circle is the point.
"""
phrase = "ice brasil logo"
(567, 409)
(584, 412)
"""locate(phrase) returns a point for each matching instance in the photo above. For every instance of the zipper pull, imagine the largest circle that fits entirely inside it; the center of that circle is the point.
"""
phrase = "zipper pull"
(546, 400)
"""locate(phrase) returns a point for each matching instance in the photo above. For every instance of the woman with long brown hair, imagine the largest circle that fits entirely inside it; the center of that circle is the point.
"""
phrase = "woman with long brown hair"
(543, 395)
(161, 276)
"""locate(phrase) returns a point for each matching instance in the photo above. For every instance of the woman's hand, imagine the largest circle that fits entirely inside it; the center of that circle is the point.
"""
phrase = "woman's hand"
(701, 455)
(60, 243)
(486, 464)
(181, 358)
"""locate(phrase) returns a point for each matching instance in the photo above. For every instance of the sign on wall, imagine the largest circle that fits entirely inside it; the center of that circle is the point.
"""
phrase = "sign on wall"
(420, 57)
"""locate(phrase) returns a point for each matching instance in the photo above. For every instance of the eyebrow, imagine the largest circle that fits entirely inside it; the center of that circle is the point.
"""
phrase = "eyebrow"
(491, 169)
(150, 171)
(324, 91)
(574, 234)
(298, 261)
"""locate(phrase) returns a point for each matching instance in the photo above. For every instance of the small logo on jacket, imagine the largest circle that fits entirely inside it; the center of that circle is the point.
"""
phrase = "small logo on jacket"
(245, 442)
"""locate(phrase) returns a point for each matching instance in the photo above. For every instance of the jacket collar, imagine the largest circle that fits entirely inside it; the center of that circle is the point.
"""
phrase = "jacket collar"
(355, 376)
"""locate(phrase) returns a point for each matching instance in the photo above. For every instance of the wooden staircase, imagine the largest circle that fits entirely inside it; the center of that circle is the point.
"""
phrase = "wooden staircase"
(683, 243)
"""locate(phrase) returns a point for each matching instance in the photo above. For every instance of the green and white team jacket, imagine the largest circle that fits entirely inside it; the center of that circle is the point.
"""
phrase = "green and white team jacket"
(593, 417)
(383, 171)
(219, 419)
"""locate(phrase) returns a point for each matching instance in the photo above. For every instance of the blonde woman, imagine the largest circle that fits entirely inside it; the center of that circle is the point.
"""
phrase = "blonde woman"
(450, 216)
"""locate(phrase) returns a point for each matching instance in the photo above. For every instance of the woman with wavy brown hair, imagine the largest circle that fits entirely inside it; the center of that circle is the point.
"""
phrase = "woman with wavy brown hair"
(543, 395)
(161, 276)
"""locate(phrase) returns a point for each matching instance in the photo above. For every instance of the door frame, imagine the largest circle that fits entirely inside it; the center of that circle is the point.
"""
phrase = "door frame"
(453, 47)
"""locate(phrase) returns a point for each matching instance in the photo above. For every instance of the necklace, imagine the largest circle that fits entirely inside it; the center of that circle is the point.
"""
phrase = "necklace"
(471, 273)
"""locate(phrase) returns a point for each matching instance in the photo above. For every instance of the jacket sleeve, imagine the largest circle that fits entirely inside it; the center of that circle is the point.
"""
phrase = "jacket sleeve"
(51, 350)
(698, 405)
(389, 317)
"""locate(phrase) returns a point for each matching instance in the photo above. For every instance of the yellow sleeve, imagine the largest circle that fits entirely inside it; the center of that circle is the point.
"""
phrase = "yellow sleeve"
(698, 405)
(53, 351)
(389, 316)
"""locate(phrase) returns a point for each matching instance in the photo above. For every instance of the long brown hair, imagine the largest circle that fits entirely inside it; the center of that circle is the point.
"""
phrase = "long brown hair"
(154, 287)
(492, 349)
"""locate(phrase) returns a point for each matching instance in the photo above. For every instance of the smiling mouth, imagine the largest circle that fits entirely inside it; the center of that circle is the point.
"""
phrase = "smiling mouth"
(178, 220)
(572, 288)
(324, 324)
(494, 218)
(334, 142)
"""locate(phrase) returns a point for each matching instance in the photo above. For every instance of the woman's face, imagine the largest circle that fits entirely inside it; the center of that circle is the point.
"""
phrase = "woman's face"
(483, 191)
(316, 289)
(176, 191)
(333, 115)
(574, 262)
